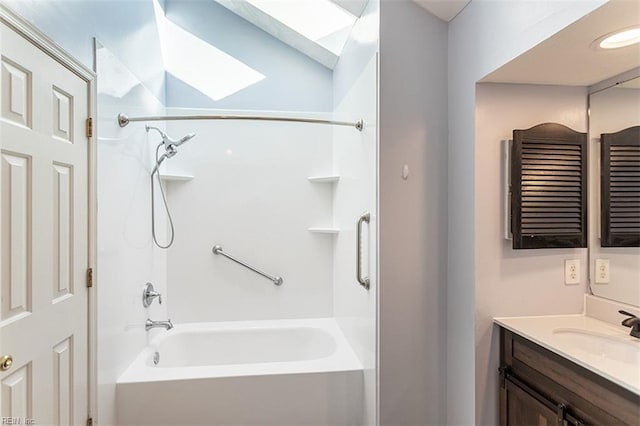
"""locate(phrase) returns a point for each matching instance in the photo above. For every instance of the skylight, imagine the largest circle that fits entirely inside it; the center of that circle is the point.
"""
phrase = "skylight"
(321, 21)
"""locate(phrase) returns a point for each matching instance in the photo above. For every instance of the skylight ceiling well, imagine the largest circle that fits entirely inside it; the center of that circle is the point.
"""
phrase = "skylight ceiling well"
(199, 64)
(321, 21)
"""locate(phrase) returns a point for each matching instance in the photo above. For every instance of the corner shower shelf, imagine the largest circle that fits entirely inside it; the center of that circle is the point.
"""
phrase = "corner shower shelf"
(324, 179)
(332, 231)
(170, 177)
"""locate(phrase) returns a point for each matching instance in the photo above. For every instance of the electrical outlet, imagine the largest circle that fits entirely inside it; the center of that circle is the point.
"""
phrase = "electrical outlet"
(602, 271)
(572, 271)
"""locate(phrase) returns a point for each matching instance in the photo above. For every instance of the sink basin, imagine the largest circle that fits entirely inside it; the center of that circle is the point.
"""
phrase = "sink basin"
(599, 344)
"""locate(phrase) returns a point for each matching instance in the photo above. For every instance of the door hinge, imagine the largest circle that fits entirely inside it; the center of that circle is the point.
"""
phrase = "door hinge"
(89, 421)
(90, 277)
(89, 127)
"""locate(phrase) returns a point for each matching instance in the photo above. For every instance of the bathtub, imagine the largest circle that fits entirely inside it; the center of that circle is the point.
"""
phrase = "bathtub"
(275, 372)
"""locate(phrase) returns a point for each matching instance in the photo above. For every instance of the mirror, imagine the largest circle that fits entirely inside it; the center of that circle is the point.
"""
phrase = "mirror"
(614, 271)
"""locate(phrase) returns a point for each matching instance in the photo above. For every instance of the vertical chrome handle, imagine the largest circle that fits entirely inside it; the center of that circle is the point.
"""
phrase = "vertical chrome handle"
(364, 281)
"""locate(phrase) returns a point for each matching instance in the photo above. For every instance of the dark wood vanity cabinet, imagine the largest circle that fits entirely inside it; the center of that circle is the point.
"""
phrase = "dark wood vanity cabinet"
(523, 408)
(539, 387)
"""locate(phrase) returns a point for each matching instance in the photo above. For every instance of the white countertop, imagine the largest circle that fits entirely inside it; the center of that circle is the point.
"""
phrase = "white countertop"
(605, 349)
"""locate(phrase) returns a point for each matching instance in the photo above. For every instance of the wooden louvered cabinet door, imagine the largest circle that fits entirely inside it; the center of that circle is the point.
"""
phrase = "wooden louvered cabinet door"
(620, 188)
(549, 187)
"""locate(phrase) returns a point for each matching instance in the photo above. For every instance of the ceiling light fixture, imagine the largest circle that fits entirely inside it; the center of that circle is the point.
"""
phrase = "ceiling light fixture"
(621, 38)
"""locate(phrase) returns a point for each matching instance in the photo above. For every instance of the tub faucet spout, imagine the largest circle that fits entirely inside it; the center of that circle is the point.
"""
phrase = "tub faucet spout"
(153, 324)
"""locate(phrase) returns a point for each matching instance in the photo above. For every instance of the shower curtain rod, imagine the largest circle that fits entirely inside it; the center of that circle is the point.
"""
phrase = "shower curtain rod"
(124, 119)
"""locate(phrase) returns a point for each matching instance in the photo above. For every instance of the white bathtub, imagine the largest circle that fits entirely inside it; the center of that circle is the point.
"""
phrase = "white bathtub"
(277, 372)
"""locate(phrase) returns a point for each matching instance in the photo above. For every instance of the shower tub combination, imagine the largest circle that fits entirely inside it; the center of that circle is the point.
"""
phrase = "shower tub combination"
(271, 372)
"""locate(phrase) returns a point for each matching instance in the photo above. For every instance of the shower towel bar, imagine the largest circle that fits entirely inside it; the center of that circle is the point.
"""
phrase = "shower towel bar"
(124, 119)
(276, 280)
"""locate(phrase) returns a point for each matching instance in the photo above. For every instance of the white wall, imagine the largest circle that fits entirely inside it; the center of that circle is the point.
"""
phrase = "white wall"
(483, 37)
(292, 80)
(355, 160)
(250, 194)
(515, 282)
(611, 110)
(412, 215)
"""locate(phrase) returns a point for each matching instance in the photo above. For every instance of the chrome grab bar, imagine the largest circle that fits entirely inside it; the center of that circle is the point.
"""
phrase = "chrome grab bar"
(276, 280)
(364, 281)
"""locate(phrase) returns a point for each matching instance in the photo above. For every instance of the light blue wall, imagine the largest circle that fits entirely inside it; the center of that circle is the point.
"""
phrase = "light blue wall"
(127, 28)
(293, 81)
(412, 215)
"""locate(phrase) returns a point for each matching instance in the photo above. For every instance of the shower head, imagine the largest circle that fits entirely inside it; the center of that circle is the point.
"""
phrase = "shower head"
(170, 146)
(167, 141)
(183, 139)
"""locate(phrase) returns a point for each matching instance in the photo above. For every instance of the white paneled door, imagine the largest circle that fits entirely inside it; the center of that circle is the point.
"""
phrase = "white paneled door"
(44, 237)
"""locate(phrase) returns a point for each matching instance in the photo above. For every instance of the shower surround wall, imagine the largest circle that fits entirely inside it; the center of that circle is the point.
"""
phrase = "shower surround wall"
(127, 258)
(250, 194)
(259, 203)
(355, 90)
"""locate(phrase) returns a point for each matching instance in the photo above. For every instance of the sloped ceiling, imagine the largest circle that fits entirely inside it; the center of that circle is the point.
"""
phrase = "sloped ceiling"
(568, 58)
(443, 9)
(288, 35)
(267, 23)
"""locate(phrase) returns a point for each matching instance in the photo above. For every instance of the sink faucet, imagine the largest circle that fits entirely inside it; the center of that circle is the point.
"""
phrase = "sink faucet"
(633, 322)
(153, 324)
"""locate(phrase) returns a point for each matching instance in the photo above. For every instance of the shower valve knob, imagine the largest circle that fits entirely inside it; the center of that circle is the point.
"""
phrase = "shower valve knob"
(148, 294)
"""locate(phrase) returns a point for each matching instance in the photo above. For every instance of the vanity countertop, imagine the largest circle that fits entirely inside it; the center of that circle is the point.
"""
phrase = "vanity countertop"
(605, 349)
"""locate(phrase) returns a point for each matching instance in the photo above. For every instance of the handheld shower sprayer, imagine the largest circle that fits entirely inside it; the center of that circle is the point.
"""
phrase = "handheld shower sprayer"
(167, 141)
(170, 145)
(183, 139)
(170, 149)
